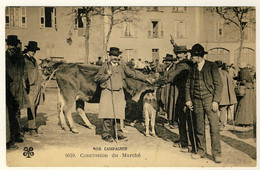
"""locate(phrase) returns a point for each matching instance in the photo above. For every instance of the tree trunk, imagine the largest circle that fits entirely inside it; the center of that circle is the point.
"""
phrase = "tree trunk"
(241, 42)
(108, 34)
(87, 35)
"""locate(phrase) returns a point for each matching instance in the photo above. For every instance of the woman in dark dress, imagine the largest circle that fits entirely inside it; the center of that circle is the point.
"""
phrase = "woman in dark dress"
(246, 108)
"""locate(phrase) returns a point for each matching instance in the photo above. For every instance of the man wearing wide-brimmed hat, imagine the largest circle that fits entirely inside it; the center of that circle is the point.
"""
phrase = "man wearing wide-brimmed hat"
(16, 97)
(167, 100)
(112, 101)
(33, 85)
(203, 95)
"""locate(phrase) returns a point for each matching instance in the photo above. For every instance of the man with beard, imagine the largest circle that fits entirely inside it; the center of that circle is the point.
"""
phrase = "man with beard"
(16, 97)
(111, 77)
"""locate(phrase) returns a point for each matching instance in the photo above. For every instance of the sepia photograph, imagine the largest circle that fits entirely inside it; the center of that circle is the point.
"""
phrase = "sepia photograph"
(130, 86)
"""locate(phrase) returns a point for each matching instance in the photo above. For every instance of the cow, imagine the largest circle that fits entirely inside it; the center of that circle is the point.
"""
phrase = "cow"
(75, 84)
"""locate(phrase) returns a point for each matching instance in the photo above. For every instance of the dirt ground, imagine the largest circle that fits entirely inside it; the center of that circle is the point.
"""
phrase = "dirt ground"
(56, 147)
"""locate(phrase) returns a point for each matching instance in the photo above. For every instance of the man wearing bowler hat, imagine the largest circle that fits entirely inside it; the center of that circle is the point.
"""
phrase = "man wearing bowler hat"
(112, 101)
(16, 97)
(33, 85)
(203, 95)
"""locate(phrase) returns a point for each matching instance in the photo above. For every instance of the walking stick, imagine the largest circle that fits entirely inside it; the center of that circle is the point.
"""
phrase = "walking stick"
(113, 107)
(193, 132)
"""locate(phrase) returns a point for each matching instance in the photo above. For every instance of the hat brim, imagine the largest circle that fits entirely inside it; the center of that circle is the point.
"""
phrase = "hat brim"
(205, 52)
(182, 51)
(32, 49)
(120, 52)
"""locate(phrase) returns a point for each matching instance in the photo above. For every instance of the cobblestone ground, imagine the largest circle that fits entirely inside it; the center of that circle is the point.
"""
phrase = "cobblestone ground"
(55, 147)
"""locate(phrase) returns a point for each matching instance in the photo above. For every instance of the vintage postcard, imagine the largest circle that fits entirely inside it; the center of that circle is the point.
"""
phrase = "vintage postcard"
(130, 86)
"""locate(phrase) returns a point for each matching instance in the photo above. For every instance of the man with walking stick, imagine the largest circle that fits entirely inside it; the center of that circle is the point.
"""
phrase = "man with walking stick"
(203, 95)
(112, 101)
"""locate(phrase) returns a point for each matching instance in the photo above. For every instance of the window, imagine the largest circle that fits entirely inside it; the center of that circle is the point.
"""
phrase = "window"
(247, 55)
(155, 29)
(219, 53)
(50, 50)
(179, 9)
(249, 31)
(129, 54)
(48, 17)
(80, 18)
(180, 29)
(219, 30)
(155, 54)
(15, 17)
(128, 29)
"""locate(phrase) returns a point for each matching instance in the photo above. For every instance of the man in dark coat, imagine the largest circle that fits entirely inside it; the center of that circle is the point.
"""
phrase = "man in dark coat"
(169, 92)
(33, 85)
(203, 95)
(16, 97)
(179, 77)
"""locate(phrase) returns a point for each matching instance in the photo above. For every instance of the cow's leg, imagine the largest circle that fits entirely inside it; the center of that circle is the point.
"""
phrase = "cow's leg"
(84, 118)
(153, 115)
(146, 114)
(71, 121)
(61, 113)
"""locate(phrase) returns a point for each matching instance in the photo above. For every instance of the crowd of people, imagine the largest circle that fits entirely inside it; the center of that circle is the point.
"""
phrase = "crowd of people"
(194, 92)
(23, 89)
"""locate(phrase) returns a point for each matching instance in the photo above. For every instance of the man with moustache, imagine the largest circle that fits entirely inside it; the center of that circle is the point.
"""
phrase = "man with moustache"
(111, 77)
(203, 95)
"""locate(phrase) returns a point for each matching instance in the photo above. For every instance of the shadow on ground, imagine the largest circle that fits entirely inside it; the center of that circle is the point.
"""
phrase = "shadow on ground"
(243, 134)
(41, 119)
(161, 131)
(241, 146)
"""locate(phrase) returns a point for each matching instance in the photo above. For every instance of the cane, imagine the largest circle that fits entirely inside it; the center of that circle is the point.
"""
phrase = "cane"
(113, 107)
(193, 132)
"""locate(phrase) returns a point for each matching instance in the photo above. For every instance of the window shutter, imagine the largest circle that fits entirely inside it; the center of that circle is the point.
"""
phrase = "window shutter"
(54, 19)
(123, 30)
(149, 29)
(161, 29)
(135, 29)
(182, 29)
(7, 17)
(23, 18)
(42, 17)
(131, 29)
(52, 50)
(176, 29)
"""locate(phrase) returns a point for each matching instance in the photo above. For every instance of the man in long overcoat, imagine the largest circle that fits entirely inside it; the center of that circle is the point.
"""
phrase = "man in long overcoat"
(169, 92)
(203, 95)
(16, 97)
(179, 77)
(33, 85)
(112, 101)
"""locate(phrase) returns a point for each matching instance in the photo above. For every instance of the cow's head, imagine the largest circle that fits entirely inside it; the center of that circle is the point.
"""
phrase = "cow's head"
(48, 66)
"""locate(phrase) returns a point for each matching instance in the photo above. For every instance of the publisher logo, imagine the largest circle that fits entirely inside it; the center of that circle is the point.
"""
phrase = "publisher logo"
(28, 152)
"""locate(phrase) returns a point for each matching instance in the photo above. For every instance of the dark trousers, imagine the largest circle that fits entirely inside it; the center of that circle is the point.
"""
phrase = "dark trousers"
(182, 123)
(202, 108)
(109, 127)
(31, 115)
